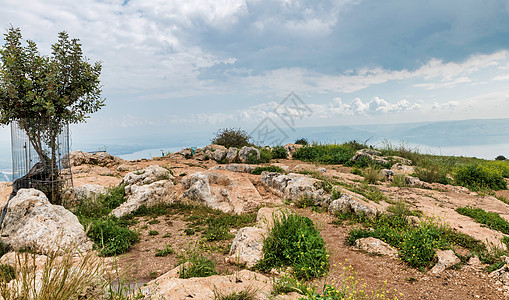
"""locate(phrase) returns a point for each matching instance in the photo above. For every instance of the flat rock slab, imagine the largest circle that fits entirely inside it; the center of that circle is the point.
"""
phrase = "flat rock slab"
(376, 246)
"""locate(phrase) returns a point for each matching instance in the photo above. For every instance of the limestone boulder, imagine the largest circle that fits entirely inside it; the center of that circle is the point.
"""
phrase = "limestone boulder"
(148, 175)
(32, 221)
(246, 152)
(88, 191)
(376, 246)
(446, 259)
(247, 247)
(204, 288)
(227, 191)
(355, 204)
(291, 148)
(100, 158)
(295, 186)
(231, 154)
(162, 191)
(401, 169)
(371, 155)
(240, 168)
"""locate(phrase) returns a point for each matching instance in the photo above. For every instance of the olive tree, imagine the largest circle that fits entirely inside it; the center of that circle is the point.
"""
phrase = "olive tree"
(45, 93)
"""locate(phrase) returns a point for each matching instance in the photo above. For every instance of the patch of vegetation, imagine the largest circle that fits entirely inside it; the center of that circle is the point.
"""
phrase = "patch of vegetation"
(500, 157)
(247, 294)
(7, 273)
(189, 231)
(356, 171)
(305, 201)
(153, 232)
(302, 141)
(368, 191)
(164, 252)
(432, 173)
(279, 152)
(295, 242)
(110, 234)
(329, 154)
(198, 265)
(490, 219)
(372, 175)
(259, 170)
(477, 176)
(155, 221)
(416, 244)
(399, 181)
(232, 137)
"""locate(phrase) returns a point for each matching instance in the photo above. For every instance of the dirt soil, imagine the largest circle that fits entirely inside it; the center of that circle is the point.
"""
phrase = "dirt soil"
(141, 265)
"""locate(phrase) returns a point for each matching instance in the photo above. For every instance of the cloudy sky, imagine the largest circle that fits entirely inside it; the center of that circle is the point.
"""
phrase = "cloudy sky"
(184, 65)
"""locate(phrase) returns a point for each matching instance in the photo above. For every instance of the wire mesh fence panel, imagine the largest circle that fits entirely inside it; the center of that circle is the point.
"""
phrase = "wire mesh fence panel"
(40, 158)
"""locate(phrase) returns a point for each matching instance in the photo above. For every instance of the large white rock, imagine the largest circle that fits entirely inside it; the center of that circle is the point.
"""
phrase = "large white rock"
(101, 158)
(245, 152)
(87, 191)
(146, 176)
(247, 247)
(231, 154)
(446, 259)
(167, 286)
(376, 246)
(295, 186)
(32, 221)
(350, 203)
(227, 191)
(149, 195)
(240, 168)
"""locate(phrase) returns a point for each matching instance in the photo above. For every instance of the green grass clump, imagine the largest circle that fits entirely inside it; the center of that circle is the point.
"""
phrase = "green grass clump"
(168, 250)
(259, 170)
(372, 175)
(329, 154)
(490, 219)
(111, 236)
(417, 245)
(368, 191)
(302, 141)
(432, 173)
(153, 232)
(295, 242)
(199, 265)
(7, 273)
(478, 176)
(279, 152)
(247, 294)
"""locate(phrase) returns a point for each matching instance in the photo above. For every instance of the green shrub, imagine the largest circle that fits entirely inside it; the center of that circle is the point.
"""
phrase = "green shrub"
(372, 175)
(500, 157)
(265, 155)
(356, 171)
(199, 265)
(399, 181)
(102, 205)
(490, 219)
(279, 152)
(153, 232)
(305, 201)
(432, 173)
(164, 252)
(6, 273)
(259, 170)
(295, 242)
(329, 154)
(232, 137)
(302, 141)
(478, 176)
(111, 236)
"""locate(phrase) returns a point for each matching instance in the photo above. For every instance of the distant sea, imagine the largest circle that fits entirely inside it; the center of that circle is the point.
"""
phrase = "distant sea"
(471, 138)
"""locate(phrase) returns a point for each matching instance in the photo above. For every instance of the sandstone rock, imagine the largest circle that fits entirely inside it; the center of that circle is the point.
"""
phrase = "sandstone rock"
(127, 167)
(231, 154)
(247, 247)
(240, 168)
(474, 261)
(203, 288)
(387, 174)
(88, 191)
(101, 158)
(265, 217)
(446, 259)
(186, 152)
(291, 148)
(295, 186)
(229, 192)
(370, 154)
(401, 169)
(245, 152)
(146, 176)
(349, 203)
(248, 244)
(376, 246)
(149, 195)
(32, 221)
(216, 152)
(321, 170)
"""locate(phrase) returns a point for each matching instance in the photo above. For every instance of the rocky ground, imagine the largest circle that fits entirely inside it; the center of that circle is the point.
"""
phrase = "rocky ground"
(231, 188)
